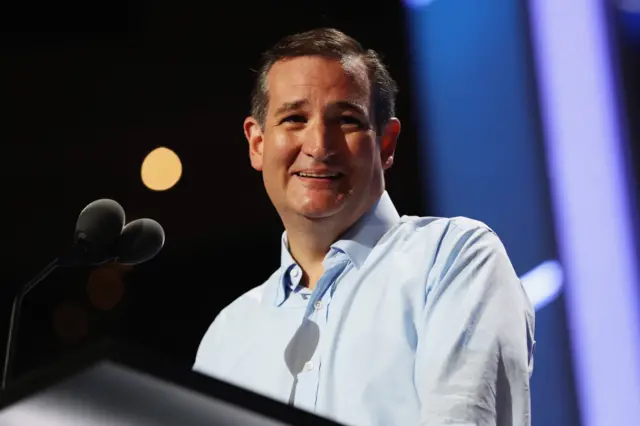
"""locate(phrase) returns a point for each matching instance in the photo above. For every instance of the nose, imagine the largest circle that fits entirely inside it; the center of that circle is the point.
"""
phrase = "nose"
(319, 143)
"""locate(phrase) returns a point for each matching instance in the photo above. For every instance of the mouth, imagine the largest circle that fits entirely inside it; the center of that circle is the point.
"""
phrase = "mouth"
(320, 175)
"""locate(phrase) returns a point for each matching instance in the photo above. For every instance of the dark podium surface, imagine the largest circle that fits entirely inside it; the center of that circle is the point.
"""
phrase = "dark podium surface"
(114, 384)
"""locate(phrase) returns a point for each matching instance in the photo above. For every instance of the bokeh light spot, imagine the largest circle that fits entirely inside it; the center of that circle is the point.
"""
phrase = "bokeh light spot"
(70, 321)
(105, 288)
(161, 169)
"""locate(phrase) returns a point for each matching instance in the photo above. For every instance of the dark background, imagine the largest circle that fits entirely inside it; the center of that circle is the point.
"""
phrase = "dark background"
(88, 89)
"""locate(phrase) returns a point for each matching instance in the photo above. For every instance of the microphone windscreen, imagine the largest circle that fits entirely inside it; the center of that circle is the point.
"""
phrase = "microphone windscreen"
(140, 241)
(100, 223)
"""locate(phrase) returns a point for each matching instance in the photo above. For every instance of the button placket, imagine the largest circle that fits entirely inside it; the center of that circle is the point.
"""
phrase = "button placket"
(317, 310)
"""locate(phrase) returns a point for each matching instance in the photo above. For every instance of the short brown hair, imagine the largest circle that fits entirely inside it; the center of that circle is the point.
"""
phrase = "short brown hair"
(330, 43)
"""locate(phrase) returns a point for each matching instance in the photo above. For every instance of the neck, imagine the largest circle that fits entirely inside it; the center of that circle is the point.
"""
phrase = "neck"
(309, 242)
(310, 239)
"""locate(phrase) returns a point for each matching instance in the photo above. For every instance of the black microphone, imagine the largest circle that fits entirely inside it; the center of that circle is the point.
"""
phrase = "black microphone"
(98, 229)
(141, 240)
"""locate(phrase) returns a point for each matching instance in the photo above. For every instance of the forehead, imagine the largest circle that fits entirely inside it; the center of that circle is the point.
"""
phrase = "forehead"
(315, 78)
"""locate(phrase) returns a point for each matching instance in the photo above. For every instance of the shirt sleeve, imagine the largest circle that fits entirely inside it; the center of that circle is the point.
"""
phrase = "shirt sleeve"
(475, 349)
(206, 356)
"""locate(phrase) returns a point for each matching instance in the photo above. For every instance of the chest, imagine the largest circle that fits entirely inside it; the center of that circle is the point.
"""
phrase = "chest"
(358, 338)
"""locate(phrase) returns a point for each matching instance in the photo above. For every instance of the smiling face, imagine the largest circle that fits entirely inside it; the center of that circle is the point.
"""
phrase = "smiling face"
(318, 152)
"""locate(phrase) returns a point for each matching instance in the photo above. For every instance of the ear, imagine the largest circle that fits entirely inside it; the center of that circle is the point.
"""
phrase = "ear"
(388, 142)
(253, 133)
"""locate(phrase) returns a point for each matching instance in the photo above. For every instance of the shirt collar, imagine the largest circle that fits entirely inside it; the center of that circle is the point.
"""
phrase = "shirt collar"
(356, 243)
(360, 239)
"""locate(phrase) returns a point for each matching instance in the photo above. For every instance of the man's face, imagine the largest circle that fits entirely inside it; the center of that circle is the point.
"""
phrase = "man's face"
(317, 149)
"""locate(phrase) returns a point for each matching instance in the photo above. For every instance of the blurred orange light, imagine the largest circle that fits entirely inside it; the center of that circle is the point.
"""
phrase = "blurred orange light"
(105, 288)
(70, 321)
(161, 169)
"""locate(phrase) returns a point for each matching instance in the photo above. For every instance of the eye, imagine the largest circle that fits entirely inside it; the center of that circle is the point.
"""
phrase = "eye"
(293, 119)
(350, 120)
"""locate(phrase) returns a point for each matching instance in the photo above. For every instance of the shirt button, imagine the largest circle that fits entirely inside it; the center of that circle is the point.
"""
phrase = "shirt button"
(318, 305)
(295, 272)
(308, 366)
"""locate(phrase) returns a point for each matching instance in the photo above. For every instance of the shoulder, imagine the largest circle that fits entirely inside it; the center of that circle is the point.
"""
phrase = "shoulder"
(469, 259)
(447, 234)
(235, 317)
(248, 303)
(454, 247)
(441, 224)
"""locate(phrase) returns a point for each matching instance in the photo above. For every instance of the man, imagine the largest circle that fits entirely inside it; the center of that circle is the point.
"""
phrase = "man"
(371, 318)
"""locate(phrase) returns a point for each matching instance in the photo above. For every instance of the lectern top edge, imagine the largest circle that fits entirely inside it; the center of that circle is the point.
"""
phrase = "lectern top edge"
(144, 361)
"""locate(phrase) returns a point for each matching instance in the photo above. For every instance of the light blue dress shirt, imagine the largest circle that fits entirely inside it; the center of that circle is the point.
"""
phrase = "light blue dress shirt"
(416, 321)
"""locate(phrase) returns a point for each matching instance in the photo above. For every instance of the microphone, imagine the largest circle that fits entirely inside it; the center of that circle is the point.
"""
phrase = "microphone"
(299, 351)
(140, 241)
(98, 229)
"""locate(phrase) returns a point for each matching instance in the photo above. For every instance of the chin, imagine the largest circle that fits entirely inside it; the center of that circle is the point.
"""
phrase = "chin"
(318, 206)
(319, 210)
(318, 213)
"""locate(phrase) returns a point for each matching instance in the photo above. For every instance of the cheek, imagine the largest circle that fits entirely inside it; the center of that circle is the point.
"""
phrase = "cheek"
(363, 151)
(280, 152)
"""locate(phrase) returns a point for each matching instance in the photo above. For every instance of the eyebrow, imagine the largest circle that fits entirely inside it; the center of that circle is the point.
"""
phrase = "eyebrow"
(291, 106)
(352, 106)
(344, 104)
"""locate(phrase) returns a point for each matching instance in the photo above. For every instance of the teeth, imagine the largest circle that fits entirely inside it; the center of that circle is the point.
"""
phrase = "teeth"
(318, 175)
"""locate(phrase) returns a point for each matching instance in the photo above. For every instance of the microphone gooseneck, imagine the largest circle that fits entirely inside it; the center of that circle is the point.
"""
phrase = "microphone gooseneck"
(100, 237)
(98, 228)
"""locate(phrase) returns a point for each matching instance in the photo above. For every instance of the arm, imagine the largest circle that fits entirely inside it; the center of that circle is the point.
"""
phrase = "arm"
(210, 346)
(474, 356)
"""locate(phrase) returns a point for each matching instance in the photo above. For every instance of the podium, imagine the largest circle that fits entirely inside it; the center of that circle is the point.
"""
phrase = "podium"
(115, 384)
